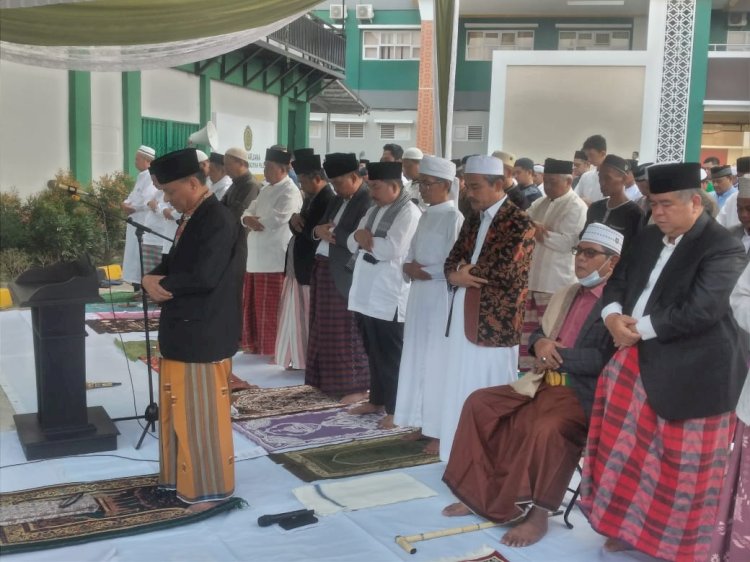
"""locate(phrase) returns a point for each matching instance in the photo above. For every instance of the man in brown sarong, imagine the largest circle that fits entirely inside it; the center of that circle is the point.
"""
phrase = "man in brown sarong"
(534, 430)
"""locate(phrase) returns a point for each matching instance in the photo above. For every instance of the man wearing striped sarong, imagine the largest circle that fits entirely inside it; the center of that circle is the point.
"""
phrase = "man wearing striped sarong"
(662, 418)
(198, 285)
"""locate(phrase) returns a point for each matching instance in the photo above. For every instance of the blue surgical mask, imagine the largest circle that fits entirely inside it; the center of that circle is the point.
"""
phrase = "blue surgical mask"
(593, 279)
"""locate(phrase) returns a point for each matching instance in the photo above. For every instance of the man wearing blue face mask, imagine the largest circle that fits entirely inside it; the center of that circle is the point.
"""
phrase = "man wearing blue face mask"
(542, 416)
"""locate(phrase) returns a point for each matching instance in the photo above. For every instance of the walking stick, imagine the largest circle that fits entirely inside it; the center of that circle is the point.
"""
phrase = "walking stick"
(405, 542)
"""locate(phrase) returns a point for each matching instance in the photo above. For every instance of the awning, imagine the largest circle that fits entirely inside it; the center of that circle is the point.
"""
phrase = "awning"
(337, 98)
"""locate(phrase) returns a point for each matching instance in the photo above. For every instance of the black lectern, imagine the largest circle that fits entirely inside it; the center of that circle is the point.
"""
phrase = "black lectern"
(63, 425)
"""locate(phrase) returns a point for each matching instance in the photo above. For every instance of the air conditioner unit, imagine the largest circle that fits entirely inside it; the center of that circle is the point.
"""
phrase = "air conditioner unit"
(365, 12)
(337, 11)
(737, 19)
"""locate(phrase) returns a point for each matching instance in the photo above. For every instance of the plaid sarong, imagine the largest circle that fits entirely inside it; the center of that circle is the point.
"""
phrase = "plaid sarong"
(151, 257)
(336, 359)
(650, 482)
(536, 305)
(260, 312)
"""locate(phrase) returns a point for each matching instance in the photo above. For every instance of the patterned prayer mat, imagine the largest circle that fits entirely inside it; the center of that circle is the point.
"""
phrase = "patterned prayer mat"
(134, 350)
(266, 402)
(127, 314)
(358, 457)
(122, 325)
(39, 518)
(280, 434)
(485, 554)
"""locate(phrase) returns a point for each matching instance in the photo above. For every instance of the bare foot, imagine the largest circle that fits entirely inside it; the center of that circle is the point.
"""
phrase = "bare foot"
(413, 436)
(457, 509)
(616, 545)
(433, 447)
(354, 398)
(531, 530)
(365, 408)
(387, 422)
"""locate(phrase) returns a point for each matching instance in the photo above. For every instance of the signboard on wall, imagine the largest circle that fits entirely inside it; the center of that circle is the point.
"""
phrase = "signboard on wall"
(255, 134)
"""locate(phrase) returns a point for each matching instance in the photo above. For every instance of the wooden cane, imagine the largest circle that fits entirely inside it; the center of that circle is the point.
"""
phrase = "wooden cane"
(405, 542)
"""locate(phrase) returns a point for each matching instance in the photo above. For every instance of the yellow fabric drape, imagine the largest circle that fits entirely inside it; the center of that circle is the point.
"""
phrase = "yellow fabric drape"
(137, 22)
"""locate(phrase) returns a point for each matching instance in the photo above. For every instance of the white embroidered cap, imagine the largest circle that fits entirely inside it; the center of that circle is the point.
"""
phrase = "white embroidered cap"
(147, 151)
(412, 153)
(598, 233)
(438, 167)
(487, 165)
(201, 155)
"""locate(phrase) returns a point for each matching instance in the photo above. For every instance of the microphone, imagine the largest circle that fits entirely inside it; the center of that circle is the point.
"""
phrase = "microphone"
(267, 520)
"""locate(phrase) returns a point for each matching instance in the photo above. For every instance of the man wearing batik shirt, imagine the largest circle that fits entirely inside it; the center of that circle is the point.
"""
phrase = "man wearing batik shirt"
(662, 419)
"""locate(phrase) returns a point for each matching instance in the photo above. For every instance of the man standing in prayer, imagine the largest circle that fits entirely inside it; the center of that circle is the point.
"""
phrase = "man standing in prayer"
(675, 379)
(510, 185)
(419, 400)
(728, 214)
(379, 288)
(220, 181)
(539, 177)
(198, 286)
(294, 314)
(559, 218)
(336, 358)
(411, 160)
(392, 153)
(631, 187)
(153, 245)
(616, 211)
(523, 173)
(267, 220)
(244, 188)
(489, 270)
(588, 189)
(517, 446)
(742, 230)
(723, 180)
(580, 166)
(136, 206)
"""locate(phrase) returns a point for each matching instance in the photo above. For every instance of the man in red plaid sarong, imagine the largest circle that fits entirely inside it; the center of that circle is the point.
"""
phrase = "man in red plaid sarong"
(662, 419)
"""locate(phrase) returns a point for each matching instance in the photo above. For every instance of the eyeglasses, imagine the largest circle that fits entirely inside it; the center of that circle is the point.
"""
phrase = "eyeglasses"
(589, 253)
(423, 183)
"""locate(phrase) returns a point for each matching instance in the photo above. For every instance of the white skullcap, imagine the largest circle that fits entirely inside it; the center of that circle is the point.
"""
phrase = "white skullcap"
(201, 155)
(538, 168)
(704, 175)
(744, 185)
(487, 165)
(506, 158)
(236, 152)
(412, 153)
(597, 233)
(147, 151)
(438, 167)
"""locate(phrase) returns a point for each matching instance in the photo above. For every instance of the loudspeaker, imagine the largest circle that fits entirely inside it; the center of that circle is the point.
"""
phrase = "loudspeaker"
(207, 135)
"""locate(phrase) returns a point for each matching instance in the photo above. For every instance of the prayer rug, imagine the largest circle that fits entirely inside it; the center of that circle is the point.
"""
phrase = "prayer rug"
(106, 307)
(353, 459)
(236, 384)
(362, 493)
(38, 518)
(127, 314)
(485, 554)
(135, 350)
(266, 402)
(281, 434)
(122, 326)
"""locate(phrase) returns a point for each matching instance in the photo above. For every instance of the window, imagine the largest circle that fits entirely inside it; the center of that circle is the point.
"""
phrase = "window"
(316, 129)
(391, 44)
(349, 130)
(597, 40)
(468, 133)
(738, 40)
(395, 131)
(480, 44)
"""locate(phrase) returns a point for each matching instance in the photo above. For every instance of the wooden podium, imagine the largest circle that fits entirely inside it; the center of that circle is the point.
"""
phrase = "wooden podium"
(63, 424)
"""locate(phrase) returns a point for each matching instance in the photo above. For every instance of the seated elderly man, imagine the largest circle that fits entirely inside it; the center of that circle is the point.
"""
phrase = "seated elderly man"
(517, 446)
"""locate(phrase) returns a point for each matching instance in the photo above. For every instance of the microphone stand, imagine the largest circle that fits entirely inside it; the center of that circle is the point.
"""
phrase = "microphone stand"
(151, 415)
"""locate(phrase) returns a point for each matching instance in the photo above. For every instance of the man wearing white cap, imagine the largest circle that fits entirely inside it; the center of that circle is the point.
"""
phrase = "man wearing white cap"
(559, 218)
(542, 418)
(510, 185)
(539, 177)
(412, 157)
(742, 230)
(136, 205)
(489, 270)
(419, 402)
(244, 189)
(728, 214)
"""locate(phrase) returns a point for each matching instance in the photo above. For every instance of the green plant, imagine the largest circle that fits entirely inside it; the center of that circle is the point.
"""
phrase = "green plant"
(109, 192)
(13, 262)
(12, 229)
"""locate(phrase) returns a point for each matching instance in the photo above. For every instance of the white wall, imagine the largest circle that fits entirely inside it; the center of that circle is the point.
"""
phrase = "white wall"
(171, 95)
(106, 123)
(465, 148)
(233, 109)
(34, 117)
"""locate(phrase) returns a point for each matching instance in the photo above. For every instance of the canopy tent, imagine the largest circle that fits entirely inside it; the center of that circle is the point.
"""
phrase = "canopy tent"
(118, 35)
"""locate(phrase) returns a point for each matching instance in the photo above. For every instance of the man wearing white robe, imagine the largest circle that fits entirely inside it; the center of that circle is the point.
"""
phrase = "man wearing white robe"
(419, 402)
(588, 189)
(220, 180)
(136, 206)
(489, 267)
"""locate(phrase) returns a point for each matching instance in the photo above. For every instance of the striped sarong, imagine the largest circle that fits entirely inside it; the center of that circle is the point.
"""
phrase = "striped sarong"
(651, 483)
(294, 318)
(336, 359)
(196, 453)
(151, 257)
(260, 312)
(536, 305)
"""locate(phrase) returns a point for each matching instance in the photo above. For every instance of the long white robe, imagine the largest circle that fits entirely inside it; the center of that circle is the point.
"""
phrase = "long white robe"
(469, 366)
(419, 402)
(143, 192)
(728, 214)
